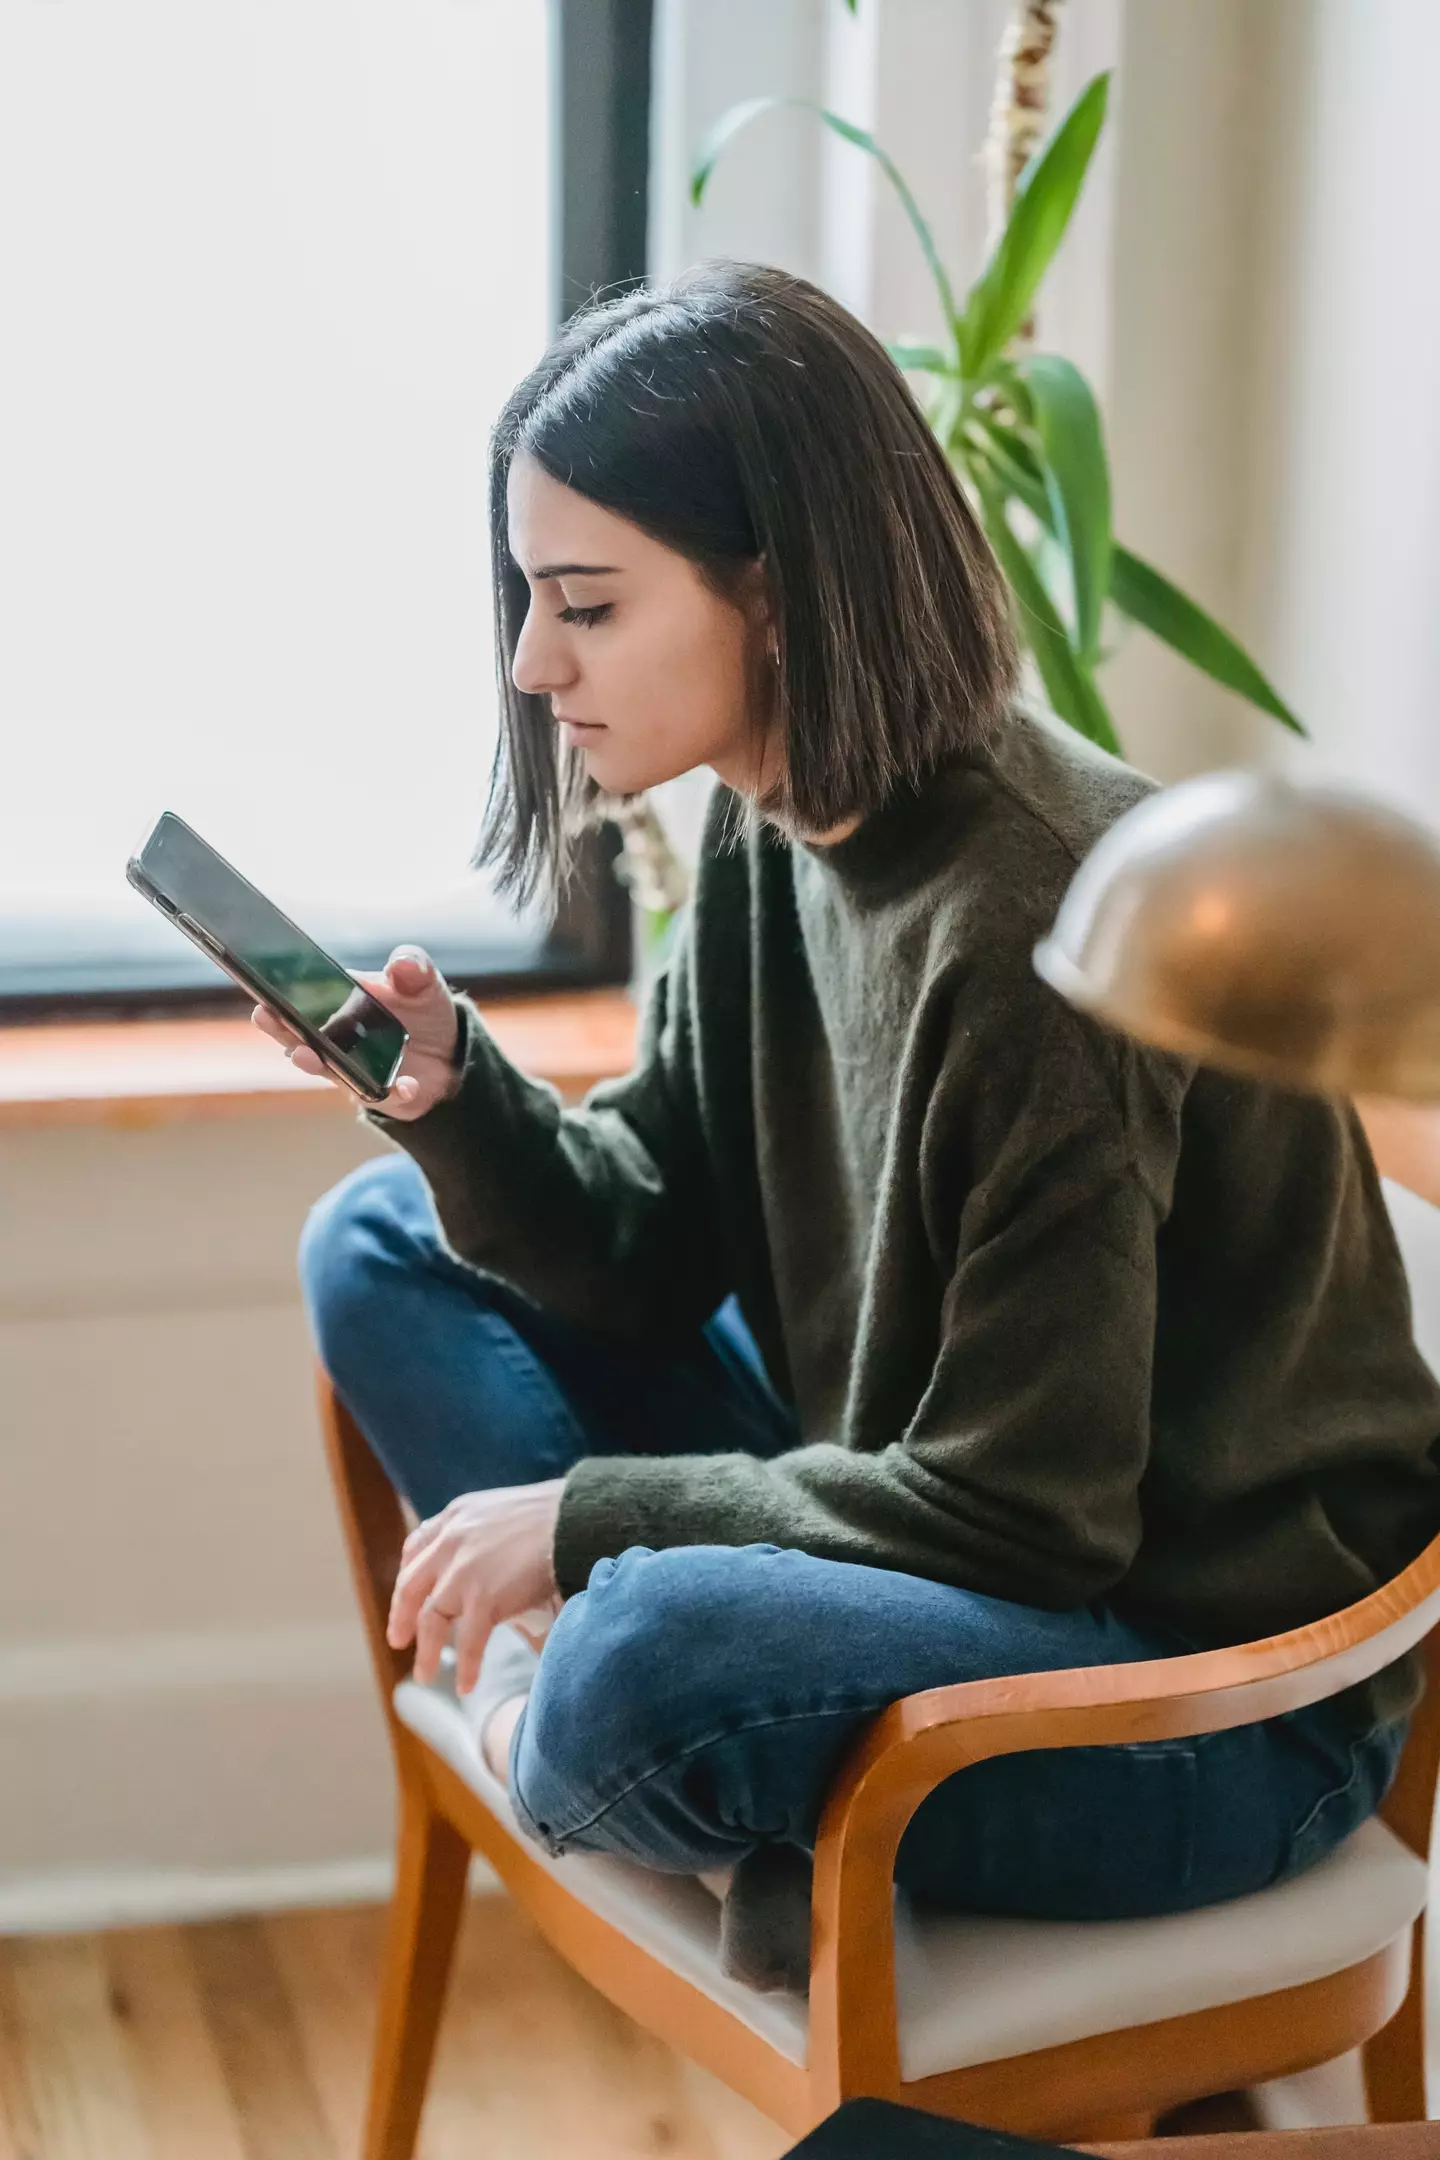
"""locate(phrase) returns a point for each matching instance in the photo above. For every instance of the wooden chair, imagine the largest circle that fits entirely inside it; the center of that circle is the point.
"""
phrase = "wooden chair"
(1052, 2029)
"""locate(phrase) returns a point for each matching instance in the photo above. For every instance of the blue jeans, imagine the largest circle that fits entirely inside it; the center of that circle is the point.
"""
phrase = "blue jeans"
(696, 1702)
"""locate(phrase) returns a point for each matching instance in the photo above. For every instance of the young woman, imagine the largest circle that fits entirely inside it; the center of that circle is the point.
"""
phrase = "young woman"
(891, 1324)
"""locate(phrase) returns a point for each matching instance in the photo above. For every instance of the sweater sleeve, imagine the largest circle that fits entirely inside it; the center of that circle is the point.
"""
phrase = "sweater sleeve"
(602, 1214)
(1046, 1164)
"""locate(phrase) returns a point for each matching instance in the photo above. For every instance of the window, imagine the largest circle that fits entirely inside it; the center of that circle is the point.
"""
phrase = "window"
(270, 267)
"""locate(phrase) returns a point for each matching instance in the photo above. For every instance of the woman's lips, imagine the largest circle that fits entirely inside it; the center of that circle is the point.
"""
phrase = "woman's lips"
(580, 728)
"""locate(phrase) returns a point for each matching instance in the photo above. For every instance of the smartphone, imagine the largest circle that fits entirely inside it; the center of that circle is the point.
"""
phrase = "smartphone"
(263, 951)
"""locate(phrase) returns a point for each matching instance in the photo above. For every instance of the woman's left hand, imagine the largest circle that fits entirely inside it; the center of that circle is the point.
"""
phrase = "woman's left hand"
(484, 1558)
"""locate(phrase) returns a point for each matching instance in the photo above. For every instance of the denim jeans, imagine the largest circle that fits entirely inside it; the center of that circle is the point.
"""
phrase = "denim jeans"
(695, 1702)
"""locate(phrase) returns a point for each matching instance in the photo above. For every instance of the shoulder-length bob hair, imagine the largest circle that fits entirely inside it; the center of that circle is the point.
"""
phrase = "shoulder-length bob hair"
(737, 415)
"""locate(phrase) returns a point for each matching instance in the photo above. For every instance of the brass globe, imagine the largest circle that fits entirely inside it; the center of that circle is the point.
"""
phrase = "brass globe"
(1289, 931)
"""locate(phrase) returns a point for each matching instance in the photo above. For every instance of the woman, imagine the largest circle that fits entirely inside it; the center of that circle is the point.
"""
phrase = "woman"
(891, 1324)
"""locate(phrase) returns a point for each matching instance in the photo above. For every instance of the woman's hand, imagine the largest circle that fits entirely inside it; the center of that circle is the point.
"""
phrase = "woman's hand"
(485, 1558)
(412, 988)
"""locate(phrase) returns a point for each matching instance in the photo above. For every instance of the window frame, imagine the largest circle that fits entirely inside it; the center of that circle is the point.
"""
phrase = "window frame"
(599, 90)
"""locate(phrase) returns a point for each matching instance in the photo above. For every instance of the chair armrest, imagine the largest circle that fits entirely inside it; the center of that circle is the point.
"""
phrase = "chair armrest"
(919, 1742)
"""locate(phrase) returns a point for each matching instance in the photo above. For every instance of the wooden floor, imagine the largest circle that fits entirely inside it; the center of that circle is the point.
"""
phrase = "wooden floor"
(249, 2039)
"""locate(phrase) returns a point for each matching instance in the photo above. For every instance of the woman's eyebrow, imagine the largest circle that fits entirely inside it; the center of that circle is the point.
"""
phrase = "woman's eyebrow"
(573, 569)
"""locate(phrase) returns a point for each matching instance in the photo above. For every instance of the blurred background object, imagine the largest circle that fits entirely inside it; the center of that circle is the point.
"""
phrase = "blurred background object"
(1284, 931)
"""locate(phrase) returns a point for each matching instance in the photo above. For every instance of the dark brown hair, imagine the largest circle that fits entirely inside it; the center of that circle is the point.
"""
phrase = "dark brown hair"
(741, 414)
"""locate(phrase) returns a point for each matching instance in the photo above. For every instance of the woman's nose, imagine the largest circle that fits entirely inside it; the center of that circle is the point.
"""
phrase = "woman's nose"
(541, 663)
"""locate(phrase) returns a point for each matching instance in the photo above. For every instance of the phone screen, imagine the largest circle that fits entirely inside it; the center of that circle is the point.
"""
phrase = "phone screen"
(281, 963)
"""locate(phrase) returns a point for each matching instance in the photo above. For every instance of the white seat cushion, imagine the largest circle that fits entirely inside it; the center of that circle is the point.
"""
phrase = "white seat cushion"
(975, 1990)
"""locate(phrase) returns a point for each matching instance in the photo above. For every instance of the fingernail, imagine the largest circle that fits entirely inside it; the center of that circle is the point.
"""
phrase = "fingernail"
(413, 952)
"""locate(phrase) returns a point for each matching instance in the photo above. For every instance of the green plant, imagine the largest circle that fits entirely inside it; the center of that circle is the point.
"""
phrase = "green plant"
(1023, 432)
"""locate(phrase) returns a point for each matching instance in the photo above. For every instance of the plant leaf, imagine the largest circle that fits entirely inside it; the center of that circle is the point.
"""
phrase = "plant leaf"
(1148, 598)
(995, 456)
(1069, 684)
(725, 129)
(1013, 463)
(1000, 298)
(929, 357)
(1077, 481)
(945, 411)
(740, 116)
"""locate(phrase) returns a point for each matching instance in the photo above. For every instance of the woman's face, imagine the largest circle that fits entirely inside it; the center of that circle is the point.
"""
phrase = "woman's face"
(649, 671)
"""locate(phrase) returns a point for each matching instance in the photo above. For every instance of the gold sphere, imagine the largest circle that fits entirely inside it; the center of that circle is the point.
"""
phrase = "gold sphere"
(1289, 931)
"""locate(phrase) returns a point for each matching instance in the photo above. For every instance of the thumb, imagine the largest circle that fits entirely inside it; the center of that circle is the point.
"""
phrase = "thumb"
(410, 970)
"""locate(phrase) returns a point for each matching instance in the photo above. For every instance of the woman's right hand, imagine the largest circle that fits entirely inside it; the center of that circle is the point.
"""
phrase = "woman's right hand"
(412, 988)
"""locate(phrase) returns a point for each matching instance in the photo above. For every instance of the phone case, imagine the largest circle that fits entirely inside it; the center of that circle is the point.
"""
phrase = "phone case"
(358, 1081)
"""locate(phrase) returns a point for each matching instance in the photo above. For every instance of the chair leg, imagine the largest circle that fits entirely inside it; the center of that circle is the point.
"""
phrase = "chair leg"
(432, 1866)
(1395, 2058)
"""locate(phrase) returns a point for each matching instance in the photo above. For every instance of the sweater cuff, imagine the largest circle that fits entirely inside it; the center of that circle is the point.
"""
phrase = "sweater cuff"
(611, 1502)
(446, 1133)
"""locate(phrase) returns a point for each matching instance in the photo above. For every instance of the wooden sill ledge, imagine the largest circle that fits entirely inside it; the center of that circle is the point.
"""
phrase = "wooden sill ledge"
(129, 1073)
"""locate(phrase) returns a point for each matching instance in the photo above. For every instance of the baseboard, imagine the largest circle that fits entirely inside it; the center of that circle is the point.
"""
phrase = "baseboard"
(165, 1777)
(297, 1658)
(81, 1902)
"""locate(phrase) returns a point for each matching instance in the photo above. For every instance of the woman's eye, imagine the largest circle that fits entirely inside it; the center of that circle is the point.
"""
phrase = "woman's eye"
(586, 617)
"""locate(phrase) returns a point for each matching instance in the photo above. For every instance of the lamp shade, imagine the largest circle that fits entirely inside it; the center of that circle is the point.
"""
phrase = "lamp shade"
(1290, 931)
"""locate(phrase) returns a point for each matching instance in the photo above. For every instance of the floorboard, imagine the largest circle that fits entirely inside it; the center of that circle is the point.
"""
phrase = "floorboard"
(175, 2062)
(82, 2097)
(248, 2039)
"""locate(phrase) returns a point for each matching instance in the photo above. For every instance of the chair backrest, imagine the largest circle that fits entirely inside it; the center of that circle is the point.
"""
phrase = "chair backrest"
(1405, 1141)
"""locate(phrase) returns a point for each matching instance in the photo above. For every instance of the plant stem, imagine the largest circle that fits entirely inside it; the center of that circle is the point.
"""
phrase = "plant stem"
(1017, 111)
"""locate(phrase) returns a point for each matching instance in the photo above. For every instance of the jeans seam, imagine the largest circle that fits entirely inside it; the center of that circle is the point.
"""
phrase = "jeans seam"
(534, 1375)
(683, 1754)
(1336, 1792)
(669, 1761)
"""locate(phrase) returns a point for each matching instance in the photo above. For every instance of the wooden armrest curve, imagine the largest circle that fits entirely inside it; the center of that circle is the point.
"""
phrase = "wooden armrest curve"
(920, 1741)
(923, 1739)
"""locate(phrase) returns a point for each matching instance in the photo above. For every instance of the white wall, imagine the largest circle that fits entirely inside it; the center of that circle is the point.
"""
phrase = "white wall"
(1181, 373)
(1343, 560)
(184, 1695)
(761, 204)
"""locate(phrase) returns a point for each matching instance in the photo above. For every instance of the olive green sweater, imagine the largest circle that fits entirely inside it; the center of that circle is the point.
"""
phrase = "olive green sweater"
(1061, 1319)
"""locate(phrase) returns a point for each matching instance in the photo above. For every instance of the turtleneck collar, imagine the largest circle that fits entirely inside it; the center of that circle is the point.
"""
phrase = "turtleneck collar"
(900, 843)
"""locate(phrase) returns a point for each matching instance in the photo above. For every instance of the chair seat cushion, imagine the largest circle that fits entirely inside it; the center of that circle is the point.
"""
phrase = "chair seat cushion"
(972, 1989)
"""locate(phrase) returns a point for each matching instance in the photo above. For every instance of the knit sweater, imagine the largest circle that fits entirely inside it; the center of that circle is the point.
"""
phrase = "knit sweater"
(1061, 1319)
